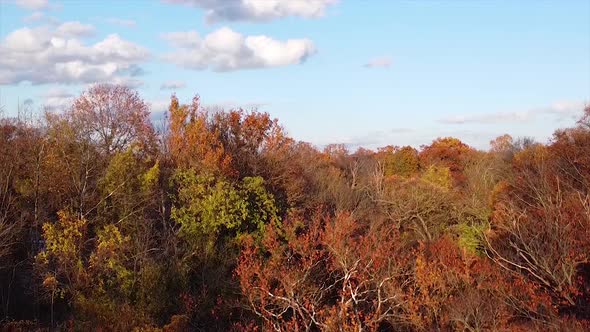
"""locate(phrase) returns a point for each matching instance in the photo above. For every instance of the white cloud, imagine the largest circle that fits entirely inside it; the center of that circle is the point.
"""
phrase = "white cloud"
(172, 85)
(379, 62)
(121, 22)
(561, 110)
(257, 10)
(227, 50)
(58, 54)
(57, 99)
(32, 4)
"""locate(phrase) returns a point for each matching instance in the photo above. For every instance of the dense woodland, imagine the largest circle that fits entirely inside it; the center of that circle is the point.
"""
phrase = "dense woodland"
(219, 221)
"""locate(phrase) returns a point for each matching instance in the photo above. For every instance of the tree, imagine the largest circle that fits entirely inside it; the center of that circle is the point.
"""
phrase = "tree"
(60, 264)
(541, 220)
(448, 152)
(193, 143)
(114, 117)
(325, 273)
(402, 161)
(210, 210)
(73, 163)
(502, 144)
(246, 137)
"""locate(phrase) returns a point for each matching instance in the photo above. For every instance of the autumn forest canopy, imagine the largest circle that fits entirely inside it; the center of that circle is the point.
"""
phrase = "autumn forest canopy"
(217, 220)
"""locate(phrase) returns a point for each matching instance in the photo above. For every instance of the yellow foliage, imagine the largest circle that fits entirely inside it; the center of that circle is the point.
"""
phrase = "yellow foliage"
(439, 176)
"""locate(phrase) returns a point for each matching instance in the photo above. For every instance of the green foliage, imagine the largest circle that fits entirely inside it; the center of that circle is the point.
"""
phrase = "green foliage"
(210, 209)
(471, 236)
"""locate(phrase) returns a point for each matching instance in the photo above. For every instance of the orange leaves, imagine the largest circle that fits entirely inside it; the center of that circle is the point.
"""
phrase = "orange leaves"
(192, 143)
(222, 143)
(449, 152)
(327, 273)
(455, 289)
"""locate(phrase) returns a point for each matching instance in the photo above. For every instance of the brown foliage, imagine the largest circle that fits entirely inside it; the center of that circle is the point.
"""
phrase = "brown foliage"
(541, 219)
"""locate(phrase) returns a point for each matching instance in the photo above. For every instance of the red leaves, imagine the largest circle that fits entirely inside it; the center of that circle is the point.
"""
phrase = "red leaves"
(327, 273)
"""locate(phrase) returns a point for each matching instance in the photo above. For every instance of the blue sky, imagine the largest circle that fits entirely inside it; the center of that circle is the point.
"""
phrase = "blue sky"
(363, 73)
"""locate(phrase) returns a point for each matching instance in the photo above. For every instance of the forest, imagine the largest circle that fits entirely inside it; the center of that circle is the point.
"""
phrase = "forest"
(217, 220)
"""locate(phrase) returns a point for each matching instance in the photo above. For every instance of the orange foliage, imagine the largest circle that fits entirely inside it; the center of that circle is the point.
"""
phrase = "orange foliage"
(448, 152)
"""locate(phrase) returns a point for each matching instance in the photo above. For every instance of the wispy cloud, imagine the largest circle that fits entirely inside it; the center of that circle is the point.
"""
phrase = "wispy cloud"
(172, 85)
(379, 62)
(260, 11)
(377, 138)
(229, 104)
(159, 106)
(121, 22)
(561, 110)
(34, 17)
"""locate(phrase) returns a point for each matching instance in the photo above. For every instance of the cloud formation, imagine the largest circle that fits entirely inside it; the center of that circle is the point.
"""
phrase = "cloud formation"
(32, 4)
(57, 54)
(172, 85)
(562, 110)
(257, 10)
(227, 50)
(379, 62)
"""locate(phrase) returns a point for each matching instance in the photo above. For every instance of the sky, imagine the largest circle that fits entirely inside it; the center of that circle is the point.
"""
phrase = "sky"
(358, 72)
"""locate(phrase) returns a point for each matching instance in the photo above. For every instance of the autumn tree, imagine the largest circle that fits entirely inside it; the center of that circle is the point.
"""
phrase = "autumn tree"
(193, 143)
(448, 152)
(214, 215)
(541, 220)
(210, 210)
(400, 161)
(21, 209)
(247, 136)
(113, 117)
(324, 273)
